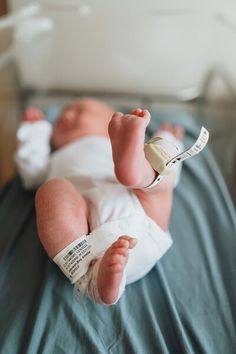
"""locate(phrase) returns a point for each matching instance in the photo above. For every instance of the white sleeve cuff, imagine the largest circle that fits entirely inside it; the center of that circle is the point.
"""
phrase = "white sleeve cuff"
(33, 153)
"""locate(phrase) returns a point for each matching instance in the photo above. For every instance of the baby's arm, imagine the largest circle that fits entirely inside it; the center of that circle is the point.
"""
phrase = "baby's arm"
(33, 152)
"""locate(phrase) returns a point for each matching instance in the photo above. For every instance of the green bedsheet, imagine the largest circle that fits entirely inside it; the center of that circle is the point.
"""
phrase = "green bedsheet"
(186, 304)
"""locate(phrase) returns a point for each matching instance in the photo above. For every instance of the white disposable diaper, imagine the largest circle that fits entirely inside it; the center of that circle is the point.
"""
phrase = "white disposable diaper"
(114, 211)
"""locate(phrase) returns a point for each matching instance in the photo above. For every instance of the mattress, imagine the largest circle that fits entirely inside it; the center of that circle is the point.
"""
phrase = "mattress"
(186, 304)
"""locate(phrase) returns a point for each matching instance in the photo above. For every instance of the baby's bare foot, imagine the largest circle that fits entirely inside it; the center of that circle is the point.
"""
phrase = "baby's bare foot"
(32, 115)
(112, 268)
(127, 134)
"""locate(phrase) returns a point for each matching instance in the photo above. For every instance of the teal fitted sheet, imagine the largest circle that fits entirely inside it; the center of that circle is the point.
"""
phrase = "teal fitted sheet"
(186, 304)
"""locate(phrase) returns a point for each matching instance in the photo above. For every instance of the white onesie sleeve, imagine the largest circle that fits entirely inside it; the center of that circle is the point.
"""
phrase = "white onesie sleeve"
(33, 154)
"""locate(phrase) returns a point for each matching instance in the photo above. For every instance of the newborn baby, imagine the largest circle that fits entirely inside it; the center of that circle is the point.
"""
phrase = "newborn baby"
(100, 217)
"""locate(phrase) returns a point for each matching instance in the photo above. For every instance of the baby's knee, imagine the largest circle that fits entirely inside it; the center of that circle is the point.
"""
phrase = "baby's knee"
(48, 190)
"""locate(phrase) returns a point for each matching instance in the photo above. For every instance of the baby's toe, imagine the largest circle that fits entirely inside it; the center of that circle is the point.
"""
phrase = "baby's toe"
(136, 111)
(117, 259)
(121, 251)
(179, 132)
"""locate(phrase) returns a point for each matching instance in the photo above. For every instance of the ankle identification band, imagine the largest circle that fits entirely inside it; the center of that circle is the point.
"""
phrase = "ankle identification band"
(74, 260)
(197, 147)
(161, 160)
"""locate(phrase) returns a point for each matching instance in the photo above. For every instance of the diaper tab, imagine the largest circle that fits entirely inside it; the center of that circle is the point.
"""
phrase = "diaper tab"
(74, 260)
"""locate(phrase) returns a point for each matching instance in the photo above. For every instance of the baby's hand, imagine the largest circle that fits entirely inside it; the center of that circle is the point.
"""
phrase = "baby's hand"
(32, 115)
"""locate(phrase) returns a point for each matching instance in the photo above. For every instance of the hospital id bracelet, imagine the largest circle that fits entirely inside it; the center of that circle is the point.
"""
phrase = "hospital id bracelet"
(161, 160)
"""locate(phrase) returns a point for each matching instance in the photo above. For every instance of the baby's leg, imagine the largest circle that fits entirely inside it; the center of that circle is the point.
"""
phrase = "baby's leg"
(61, 215)
(127, 133)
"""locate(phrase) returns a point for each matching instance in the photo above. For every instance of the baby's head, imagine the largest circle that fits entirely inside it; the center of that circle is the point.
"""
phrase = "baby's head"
(81, 118)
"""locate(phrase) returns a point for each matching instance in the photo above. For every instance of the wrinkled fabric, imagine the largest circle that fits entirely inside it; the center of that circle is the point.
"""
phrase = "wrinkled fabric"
(186, 304)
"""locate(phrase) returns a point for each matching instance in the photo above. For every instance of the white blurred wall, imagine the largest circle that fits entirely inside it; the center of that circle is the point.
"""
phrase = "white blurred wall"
(147, 46)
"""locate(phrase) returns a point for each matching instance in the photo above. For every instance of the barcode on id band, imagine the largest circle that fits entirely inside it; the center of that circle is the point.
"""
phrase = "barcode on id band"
(77, 247)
